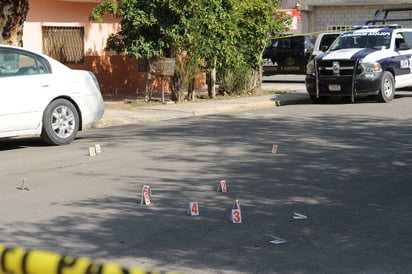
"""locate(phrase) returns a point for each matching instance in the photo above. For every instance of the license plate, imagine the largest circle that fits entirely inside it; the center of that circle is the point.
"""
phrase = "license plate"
(334, 87)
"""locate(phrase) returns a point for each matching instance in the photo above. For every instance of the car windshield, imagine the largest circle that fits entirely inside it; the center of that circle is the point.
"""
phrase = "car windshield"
(363, 39)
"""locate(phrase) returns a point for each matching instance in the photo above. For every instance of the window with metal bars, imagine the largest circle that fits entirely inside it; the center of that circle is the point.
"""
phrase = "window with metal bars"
(65, 44)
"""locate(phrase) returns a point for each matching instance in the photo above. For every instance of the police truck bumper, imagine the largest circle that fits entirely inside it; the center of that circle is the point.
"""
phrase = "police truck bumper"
(342, 86)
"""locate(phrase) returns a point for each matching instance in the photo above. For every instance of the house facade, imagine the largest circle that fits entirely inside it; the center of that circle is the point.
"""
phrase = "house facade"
(61, 29)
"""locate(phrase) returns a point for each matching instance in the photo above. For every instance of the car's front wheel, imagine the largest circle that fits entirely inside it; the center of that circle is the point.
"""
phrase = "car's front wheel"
(60, 123)
(387, 89)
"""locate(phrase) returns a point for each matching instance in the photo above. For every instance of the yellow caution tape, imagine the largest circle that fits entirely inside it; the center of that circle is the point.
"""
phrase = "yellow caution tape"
(21, 261)
(280, 35)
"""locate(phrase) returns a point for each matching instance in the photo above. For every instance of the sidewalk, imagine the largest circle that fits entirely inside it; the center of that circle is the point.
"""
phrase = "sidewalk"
(115, 117)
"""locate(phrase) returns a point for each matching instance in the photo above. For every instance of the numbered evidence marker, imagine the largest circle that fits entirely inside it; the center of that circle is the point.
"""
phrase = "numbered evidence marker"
(193, 209)
(24, 185)
(98, 148)
(146, 195)
(236, 214)
(222, 186)
(275, 149)
(92, 151)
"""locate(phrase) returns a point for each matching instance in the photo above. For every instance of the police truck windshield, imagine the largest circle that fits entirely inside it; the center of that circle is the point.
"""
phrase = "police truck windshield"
(373, 39)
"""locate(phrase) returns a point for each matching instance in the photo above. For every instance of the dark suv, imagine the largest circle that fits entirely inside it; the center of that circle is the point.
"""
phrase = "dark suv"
(287, 55)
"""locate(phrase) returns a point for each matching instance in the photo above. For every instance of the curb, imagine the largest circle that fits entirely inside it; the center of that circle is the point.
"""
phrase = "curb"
(116, 117)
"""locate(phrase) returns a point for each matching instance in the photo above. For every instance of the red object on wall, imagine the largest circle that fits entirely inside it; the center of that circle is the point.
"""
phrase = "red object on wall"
(295, 13)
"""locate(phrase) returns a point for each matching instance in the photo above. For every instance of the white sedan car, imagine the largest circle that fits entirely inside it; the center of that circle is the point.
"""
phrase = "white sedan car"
(41, 96)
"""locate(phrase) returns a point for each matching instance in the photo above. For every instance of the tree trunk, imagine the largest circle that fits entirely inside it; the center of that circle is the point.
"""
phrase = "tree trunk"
(12, 16)
(255, 80)
(211, 85)
(176, 85)
(191, 96)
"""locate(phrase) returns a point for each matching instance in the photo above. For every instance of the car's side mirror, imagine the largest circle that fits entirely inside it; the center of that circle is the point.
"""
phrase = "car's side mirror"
(324, 48)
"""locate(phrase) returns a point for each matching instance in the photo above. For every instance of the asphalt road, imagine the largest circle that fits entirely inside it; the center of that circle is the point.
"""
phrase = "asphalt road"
(347, 167)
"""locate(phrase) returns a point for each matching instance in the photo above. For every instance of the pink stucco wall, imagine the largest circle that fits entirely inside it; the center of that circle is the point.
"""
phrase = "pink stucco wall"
(115, 74)
(67, 13)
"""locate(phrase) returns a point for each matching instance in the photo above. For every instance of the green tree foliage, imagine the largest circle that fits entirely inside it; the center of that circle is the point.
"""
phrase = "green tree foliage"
(149, 28)
(222, 34)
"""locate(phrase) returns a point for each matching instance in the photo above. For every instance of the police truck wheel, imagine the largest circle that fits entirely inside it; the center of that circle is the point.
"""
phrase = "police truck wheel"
(387, 90)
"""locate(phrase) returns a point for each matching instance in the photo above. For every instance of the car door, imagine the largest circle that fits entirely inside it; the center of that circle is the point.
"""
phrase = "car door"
(24, 81)
(292, 54)
(403, 59)
(270, 52)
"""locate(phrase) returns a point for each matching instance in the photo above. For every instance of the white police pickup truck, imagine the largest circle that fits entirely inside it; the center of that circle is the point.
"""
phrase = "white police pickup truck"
(369, 61)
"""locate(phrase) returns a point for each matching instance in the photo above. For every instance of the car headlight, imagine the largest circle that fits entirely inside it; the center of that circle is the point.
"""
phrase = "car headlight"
(371, 69)
(310, 68)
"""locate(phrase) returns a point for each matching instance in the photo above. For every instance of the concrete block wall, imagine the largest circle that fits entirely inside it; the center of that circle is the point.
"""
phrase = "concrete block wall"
(322, 18)
(354, 2)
